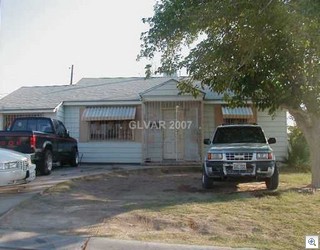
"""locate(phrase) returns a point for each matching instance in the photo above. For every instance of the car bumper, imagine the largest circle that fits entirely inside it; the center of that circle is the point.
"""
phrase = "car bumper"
(255, 169)
(17, 176)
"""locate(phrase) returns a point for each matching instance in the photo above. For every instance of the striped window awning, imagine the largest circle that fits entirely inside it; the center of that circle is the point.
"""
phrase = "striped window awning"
(243, 112)
(109, 113)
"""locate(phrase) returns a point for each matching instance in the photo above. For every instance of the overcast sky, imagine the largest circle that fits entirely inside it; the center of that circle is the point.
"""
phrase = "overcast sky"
(41, 39)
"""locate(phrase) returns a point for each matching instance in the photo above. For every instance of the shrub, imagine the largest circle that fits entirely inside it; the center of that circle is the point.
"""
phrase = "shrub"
(298, 156)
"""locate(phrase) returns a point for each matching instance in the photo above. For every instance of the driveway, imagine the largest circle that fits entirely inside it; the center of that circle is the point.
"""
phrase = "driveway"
(11, 196)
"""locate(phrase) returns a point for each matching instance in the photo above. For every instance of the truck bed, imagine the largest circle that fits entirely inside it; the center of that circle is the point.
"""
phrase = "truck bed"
(18, 140)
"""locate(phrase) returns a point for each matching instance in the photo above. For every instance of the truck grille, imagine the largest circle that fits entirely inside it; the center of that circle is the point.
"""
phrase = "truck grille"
(22, 164)
(239, 156)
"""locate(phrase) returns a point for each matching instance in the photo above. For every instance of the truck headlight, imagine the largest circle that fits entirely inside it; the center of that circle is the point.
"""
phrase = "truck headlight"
(213, 156)
(264, 156)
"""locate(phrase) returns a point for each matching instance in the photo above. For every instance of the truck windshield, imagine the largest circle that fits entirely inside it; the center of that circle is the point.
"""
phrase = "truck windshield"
(239, 135)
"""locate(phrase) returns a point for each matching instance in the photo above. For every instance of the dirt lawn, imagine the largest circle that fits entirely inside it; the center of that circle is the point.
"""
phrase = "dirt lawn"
(166, 205)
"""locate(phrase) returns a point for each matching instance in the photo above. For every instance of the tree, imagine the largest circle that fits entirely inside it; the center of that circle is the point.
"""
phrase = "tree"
(267, 51)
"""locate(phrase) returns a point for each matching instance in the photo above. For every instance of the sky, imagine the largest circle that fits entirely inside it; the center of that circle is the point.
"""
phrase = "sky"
(41, 39)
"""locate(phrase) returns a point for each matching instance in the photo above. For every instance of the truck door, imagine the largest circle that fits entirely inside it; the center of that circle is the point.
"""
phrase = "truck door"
(45, 126)
(65, 144)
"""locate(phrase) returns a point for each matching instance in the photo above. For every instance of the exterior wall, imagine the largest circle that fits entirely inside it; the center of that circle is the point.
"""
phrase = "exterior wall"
(167, 89)
(60, 113)
(208, 124)
(110, 152)
(1, 122)
(50, 115)
(277, 128)
(72, 121)
(100, 151)
(153, 141)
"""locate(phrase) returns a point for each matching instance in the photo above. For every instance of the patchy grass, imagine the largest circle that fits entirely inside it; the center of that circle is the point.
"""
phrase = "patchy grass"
(246, 218)
(170, 206)
(61, 187)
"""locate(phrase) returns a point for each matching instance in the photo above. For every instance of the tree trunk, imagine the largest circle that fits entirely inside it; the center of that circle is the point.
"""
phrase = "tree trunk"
(314, 145)
(310, 126)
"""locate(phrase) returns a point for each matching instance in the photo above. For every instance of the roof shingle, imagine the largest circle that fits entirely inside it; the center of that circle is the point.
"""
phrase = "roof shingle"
(87, 89)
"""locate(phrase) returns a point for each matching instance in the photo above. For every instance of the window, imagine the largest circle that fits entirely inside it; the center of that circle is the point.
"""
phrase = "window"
(110, 130)
(235, 121)
(8, 119)
(238, 115)
(110, 122)
(60, 128)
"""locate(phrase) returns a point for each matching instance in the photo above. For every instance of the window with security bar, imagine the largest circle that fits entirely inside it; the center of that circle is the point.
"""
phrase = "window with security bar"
(110, 130)
(8, 119)
(235, 121)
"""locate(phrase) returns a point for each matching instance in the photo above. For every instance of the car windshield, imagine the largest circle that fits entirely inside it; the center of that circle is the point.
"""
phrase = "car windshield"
(239, 135)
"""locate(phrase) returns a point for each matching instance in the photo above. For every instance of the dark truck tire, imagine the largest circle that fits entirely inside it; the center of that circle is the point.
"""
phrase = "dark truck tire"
(74, 162)
(207, 182)
(46, 164)
(272, 183)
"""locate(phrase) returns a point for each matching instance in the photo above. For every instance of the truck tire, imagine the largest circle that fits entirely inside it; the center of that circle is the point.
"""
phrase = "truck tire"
(46, 165)
(74, 162)
(272, 183)
(207, 182)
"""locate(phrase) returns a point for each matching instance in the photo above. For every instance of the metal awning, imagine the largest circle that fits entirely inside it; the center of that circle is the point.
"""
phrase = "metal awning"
(109, 113)
(243, 112)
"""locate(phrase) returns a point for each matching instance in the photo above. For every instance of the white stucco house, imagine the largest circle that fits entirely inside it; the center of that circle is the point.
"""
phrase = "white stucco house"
(137, 120)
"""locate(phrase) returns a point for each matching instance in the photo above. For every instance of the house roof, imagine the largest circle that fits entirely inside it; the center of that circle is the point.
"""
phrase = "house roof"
(87, 89)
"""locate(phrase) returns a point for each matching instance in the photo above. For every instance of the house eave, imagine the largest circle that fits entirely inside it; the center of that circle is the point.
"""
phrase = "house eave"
(101, 102)
(171, 98)
(17, 111)
(219, 102)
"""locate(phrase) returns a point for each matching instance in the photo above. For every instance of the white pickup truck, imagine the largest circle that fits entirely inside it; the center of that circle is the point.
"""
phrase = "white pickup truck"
(240, 152)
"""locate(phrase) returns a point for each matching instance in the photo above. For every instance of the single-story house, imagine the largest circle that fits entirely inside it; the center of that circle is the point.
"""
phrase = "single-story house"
(137, 120)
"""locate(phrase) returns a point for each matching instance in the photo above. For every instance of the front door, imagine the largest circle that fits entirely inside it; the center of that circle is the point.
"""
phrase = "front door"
(169, 135)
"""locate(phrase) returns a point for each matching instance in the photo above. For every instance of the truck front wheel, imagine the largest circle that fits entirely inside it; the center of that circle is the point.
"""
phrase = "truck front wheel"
(46, 165)
(272, 183)
(207, 182)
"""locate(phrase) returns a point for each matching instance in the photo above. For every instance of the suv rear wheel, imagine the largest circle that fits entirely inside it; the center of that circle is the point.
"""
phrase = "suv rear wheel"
(207, 182)
(272, 183)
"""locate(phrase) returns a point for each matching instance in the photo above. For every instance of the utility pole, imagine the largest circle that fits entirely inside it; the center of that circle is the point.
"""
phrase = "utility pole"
(71, 77)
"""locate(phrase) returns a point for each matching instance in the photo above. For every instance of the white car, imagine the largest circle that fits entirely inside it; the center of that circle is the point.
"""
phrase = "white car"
(15, 168)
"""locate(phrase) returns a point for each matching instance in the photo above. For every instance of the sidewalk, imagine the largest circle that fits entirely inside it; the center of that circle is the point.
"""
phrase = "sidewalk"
(38, 241)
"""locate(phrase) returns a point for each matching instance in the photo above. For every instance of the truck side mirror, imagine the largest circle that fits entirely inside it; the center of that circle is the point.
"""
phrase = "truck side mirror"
(207, 141)
(272, 140)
